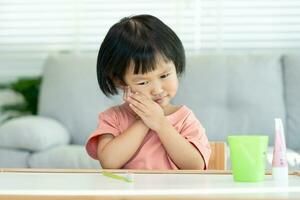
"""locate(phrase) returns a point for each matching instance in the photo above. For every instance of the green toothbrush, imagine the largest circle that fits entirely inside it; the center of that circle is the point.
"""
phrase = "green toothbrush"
(118, 177)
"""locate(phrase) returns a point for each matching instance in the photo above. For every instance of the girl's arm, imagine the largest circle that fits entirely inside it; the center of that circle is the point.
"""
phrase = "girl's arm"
(114, 152)
(181, 151)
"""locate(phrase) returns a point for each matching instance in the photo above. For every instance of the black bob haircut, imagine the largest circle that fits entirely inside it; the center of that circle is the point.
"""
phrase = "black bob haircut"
(139, 40)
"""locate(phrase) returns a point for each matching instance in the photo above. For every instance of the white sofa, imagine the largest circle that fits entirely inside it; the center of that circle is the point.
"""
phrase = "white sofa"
(230, 94)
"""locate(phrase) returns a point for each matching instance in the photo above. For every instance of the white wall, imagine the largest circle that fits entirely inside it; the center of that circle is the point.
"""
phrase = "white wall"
(31, 29)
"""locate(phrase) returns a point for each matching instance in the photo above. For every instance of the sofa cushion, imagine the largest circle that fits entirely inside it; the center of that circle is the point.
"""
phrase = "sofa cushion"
(293, 159)
(65, 156)
(291, 65)
(32, 133)
(234, 94)
(71, 95)
(13, 158)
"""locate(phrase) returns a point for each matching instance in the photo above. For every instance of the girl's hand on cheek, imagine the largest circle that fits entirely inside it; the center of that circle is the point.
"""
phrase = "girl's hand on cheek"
(149, 111)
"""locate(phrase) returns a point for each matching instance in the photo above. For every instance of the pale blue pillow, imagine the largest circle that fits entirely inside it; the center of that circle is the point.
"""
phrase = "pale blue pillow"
(32, 133)
(64, 156)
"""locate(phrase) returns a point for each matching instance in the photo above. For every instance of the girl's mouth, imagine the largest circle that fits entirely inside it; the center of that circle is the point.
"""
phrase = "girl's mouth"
(159, 100)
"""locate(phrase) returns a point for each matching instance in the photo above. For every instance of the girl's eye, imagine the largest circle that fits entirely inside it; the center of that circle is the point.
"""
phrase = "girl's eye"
(143, 83)
(165, 75)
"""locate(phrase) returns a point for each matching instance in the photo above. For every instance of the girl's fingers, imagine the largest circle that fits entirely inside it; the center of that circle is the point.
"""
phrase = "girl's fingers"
(140, 98)
(137, 104)
(136, 110)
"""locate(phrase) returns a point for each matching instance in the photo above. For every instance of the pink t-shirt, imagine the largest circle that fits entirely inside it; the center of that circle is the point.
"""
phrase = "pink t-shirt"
(151, 154)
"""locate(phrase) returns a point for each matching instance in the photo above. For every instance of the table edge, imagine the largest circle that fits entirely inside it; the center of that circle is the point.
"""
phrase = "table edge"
(69, 170)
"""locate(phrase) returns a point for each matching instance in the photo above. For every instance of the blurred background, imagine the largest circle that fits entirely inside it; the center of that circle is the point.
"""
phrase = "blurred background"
(30, 30)
(232, 96)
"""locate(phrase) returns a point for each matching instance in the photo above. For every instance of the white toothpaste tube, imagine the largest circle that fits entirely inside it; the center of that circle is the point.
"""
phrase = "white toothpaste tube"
(279, 163)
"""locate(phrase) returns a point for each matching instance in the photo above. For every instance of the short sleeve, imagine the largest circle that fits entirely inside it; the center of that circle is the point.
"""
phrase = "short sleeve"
(193, 131)
(108, 123)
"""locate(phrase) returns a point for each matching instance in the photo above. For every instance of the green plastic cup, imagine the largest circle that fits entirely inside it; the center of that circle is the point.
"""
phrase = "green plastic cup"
(248, 157)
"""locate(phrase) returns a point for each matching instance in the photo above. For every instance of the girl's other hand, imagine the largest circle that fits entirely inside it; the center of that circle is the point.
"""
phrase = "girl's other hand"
(148, 110)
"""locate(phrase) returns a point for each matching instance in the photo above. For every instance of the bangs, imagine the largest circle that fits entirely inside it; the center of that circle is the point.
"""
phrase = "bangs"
(146, 61)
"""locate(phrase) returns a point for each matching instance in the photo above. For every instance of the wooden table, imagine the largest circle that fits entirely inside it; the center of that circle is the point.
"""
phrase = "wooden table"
(56, 184)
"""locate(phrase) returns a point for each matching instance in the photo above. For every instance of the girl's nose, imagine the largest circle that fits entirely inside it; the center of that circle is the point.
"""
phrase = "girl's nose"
(156, 88)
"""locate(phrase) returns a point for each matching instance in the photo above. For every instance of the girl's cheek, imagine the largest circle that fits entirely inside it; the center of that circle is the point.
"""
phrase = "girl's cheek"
(135, 89)
(139, 90)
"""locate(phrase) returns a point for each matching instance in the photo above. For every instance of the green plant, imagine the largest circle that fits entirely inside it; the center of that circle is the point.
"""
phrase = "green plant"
(28, 88)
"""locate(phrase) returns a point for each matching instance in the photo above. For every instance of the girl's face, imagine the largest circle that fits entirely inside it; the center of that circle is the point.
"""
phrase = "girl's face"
(160, 85)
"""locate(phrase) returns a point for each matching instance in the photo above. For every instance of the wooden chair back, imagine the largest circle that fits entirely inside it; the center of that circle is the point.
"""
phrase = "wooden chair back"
(217, 159)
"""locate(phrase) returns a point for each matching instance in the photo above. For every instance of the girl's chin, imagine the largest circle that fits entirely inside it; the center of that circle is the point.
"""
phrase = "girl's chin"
(165, 105)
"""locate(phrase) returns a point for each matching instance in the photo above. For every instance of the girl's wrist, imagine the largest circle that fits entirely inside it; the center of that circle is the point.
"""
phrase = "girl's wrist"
(163, 123)
(140, 123)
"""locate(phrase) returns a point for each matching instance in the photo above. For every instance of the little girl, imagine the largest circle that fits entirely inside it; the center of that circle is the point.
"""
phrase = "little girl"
(144, 57)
